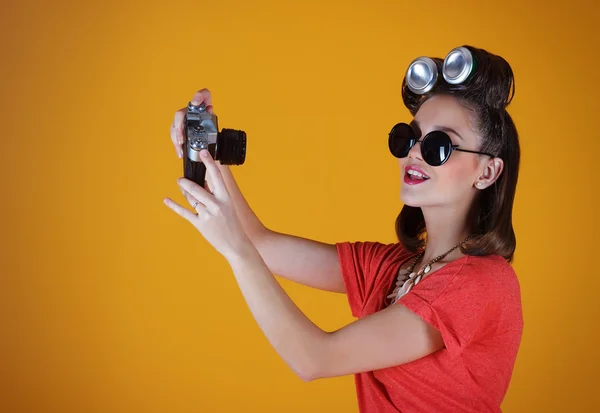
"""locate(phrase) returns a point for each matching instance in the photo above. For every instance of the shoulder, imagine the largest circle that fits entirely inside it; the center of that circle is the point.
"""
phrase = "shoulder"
(489, 279)
(371, 250)
(488, 271)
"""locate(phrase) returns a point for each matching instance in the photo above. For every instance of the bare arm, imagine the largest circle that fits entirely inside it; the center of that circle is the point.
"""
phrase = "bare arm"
(390, 337)
(301, 260)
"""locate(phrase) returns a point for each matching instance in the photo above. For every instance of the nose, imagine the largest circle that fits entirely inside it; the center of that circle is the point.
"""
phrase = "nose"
(415, 151)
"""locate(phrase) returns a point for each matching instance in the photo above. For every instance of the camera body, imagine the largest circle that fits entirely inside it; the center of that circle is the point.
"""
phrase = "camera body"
(201, 131)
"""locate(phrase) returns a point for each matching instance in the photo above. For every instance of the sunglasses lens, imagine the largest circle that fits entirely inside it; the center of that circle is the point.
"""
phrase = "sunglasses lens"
(436, 148)
(401, 139)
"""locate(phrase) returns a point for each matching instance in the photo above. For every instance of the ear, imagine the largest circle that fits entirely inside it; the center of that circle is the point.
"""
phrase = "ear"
(492, 168)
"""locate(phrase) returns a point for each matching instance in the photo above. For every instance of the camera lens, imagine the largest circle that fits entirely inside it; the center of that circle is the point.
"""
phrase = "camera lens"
(231, 147)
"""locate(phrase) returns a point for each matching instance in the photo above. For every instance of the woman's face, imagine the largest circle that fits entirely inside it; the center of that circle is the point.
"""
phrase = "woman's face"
(453, 182)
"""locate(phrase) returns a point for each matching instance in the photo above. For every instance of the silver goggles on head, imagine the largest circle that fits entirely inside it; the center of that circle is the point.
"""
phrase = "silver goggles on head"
(422, 73)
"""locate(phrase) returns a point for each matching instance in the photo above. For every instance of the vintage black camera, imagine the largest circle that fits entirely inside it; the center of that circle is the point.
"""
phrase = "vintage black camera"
(201, 131)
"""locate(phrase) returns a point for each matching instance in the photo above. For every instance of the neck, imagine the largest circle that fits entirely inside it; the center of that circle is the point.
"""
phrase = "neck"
(446, 227)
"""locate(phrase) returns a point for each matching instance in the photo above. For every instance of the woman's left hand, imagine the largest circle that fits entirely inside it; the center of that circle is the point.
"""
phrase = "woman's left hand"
(216, 218)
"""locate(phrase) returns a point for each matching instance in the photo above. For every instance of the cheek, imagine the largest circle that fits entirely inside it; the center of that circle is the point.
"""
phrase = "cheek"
(454, 174)
(402, 164)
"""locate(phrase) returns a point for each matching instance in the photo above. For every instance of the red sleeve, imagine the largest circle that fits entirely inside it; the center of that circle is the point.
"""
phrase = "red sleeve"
(360, 263)
(458, 307)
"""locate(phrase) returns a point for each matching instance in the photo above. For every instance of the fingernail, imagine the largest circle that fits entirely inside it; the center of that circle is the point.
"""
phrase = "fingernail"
(204, 152)
(195, 102)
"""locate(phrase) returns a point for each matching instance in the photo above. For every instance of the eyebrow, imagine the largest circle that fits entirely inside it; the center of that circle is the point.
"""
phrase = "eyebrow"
(440, 127)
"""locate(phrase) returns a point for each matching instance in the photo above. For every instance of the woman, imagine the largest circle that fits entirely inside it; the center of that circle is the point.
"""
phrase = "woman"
(445, 337)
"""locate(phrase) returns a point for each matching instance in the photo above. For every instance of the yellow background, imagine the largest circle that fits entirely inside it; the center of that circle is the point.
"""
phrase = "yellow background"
(109, 302)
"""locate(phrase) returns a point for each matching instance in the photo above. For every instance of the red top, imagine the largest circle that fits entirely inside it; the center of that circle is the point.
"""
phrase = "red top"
(475, 302)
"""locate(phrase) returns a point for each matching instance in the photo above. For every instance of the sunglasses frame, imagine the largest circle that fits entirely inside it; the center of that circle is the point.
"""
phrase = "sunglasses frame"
(414, 141)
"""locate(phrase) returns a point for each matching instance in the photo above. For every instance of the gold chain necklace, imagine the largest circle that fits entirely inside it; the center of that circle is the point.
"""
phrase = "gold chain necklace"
(407, 279)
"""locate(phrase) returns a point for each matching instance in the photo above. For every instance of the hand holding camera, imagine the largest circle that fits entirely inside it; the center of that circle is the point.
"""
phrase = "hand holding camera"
(199, 143)
(195, 128)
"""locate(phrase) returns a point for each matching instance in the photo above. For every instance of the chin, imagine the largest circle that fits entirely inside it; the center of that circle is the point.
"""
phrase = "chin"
(411, 200)
(418, 199)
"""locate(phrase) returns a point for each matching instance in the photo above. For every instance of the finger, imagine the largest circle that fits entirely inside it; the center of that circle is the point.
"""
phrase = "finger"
(208, 187)
(175, 140)
(193, 201)
(214, 176)
(177, 131)
(198, 192)
(202, 96)
(179, 124)
(179, 210)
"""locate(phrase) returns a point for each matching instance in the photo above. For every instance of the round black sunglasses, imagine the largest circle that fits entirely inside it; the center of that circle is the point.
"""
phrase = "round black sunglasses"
(436, 146)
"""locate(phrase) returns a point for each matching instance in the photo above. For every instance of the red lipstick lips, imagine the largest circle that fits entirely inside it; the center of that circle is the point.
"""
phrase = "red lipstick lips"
(414, 175)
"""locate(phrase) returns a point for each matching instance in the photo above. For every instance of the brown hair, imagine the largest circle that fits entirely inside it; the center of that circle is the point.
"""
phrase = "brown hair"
(485, 95)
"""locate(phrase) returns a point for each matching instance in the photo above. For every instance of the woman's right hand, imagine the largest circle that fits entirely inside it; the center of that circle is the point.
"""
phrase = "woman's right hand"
(201, 96)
